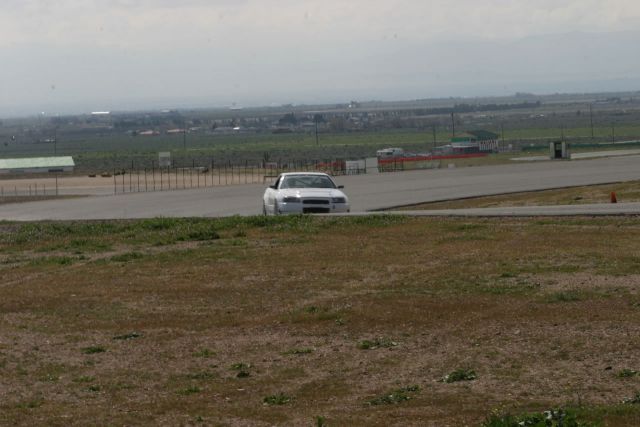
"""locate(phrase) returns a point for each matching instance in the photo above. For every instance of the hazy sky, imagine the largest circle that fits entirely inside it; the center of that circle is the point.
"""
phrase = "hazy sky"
(78, 55)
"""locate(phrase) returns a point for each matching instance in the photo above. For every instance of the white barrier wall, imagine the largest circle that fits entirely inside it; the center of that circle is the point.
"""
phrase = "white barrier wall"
(354, 167)
(371, 165)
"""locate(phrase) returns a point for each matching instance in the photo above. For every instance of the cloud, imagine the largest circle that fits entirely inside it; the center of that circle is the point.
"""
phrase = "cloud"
(241, 23)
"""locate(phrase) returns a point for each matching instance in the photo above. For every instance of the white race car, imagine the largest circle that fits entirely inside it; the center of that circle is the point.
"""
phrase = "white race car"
(304, 192)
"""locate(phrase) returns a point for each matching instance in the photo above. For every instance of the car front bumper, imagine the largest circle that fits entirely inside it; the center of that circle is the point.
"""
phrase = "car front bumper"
(306, 208)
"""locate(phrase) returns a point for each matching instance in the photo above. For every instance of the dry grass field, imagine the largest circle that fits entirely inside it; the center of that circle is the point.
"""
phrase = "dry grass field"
(625, 192)
(319, 321)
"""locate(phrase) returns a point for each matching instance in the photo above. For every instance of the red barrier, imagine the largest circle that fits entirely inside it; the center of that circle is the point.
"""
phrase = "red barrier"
(429, 158)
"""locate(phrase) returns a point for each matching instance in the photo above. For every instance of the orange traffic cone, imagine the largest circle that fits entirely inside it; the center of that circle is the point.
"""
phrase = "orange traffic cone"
(613, 197)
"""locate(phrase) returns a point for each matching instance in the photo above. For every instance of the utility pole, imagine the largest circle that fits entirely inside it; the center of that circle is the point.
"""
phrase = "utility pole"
(613, 132)
(562, 132)
(316, 120)
(55, 141)
(502, 132)
(453, 125)
(184, 136)
(591, 118)
(434, 137)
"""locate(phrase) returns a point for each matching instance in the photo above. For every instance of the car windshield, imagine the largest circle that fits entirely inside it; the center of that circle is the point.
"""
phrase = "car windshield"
(307, 181)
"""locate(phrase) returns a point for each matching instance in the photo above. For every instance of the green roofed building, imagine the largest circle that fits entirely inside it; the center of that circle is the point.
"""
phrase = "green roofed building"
(37, 165)
(475, 141)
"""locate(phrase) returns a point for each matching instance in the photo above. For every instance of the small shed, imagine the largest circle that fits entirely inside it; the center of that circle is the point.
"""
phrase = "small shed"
(559, 150)
(37, 165)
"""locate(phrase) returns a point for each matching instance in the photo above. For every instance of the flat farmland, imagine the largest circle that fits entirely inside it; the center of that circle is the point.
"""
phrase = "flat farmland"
(383, 320)
(109, 151)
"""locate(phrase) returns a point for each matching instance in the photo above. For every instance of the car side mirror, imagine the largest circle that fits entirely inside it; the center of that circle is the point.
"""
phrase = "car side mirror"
(340, 186)
(273, 187)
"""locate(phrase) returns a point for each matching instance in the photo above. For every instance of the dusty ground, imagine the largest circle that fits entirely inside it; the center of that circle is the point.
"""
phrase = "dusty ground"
(136, 182)
(146, 322)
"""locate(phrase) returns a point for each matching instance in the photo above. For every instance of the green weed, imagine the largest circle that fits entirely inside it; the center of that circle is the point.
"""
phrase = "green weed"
(299, 351)
(31, 404)
(242, 368)
(126, 337)
(94, 350)
(190, 390)
(205, 353)
(127, 257)
(565, 296)
(376, 343)
(459, 375)
(633, 400)
(627, 373)
(201, 376)
(277, 399)
(53, 260)
(551, 418)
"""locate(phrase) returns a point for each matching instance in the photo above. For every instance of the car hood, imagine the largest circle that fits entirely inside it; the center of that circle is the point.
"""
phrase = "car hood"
(311, 192)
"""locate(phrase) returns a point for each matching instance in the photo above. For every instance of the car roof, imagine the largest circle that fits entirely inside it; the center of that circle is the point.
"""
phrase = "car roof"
(303, 173)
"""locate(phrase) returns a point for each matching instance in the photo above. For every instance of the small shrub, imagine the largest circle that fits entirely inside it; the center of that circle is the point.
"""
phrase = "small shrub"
(395, 397)
(459, 375)
(93, 350)
(277, 399)
(84, 379)
(94, 388)
(376, 343)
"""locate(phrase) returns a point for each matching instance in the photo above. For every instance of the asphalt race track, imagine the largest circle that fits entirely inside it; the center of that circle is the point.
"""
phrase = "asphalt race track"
(366, 192)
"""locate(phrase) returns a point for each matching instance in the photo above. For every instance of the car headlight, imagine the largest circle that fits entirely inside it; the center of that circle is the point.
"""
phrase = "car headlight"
(291, 199)
(338, 200)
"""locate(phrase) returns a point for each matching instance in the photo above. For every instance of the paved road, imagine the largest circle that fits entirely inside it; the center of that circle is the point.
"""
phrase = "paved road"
(579, 156)
(367, 192)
